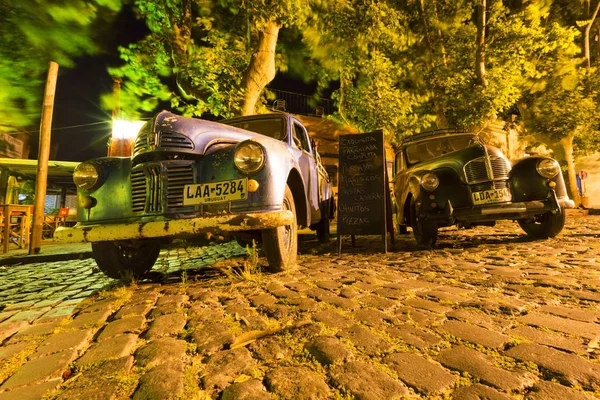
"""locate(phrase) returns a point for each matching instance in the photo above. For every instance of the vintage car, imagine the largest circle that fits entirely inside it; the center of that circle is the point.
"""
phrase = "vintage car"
(257, 175)
(445, 178)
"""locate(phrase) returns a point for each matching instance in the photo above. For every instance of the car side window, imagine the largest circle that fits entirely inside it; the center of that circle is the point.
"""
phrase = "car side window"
(398, 165)
(301, 138)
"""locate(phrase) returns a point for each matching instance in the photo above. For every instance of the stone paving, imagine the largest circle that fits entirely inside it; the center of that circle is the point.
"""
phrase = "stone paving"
(485, 315)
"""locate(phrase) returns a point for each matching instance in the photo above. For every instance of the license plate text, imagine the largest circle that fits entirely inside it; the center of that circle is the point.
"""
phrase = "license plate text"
(215, 192)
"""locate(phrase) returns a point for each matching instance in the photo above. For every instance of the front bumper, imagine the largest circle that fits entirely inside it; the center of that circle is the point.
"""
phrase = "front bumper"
(498, 211)
(174, 227)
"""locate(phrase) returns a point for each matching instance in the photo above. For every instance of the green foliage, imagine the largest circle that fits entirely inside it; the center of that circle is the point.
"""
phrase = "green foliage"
(366, 45)
(33, 33)
(197, 57)
(562, 99)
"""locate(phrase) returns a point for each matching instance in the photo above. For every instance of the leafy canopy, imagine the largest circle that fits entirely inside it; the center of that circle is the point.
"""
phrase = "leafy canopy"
(33, 33)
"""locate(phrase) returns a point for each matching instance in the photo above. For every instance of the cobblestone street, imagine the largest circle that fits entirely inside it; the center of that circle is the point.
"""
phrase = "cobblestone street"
(487, 314)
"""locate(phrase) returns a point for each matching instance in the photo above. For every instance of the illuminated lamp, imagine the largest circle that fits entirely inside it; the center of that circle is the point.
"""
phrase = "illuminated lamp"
(123, 135)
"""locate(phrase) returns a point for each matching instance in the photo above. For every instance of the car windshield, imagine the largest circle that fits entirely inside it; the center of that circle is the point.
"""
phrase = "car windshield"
(272, 127)
(422, 151)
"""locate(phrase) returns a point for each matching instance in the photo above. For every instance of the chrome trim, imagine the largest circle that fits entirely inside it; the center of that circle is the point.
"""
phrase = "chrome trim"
(486, 169)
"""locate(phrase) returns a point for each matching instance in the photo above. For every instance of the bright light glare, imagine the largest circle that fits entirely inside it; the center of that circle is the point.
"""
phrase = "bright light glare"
(125, 129)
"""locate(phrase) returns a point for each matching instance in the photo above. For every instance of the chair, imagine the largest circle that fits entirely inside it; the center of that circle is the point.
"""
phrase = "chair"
(53, 221)
(18, 225)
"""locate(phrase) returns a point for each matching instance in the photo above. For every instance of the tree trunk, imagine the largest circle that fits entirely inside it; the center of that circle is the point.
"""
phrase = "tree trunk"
(566, 145)
(587, 35)
(261, 70)
(480, 55)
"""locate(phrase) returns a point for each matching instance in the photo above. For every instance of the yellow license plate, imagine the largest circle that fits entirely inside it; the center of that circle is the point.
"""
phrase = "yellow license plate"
(491, 196)
(215, 192)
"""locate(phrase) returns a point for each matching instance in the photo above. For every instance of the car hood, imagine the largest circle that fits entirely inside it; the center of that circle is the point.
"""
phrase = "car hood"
(456, 160)
(172, 132)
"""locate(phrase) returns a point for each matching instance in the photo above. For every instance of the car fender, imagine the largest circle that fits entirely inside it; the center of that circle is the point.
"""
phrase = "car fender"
(281, 168)
(527, 184)
(112, 199)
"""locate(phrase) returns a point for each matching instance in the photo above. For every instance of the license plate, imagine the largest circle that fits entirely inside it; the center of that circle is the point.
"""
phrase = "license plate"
(215, 192)
(491, 196)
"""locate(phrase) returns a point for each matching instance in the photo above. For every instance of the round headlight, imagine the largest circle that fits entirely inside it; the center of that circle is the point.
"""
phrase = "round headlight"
(249, 157)
(548, 168)
(86, 176)
(430, 181)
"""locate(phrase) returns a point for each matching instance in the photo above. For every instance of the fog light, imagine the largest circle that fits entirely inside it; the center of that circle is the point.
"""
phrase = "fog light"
(253, 185)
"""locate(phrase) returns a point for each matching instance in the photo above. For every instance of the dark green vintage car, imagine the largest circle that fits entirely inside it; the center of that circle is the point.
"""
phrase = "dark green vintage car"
(447, 178)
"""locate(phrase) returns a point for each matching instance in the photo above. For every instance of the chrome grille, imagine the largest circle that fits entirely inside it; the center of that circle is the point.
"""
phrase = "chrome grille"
(149, 186)
(154, 189)
(177, 178)
(175, 141)
(146, 192)
(500, 167)
(169, 140)
(143, 140)
(477, 170)
(138, 190)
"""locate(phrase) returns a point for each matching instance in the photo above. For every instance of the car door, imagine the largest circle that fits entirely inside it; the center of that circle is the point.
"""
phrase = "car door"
(308, 168)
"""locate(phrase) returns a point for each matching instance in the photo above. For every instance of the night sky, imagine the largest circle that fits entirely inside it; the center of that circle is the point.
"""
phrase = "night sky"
(77, 100)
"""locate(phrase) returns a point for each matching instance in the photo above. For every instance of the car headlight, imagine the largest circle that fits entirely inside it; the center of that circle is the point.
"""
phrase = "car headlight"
(86, 176)
(430, 181)
(548, 168)
(249, 157)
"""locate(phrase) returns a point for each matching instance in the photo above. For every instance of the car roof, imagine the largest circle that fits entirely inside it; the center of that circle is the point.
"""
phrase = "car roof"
(256, 116)
(432, 134)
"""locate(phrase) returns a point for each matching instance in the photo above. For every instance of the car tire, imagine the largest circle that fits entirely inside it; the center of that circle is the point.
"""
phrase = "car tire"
(125, 259)
(545, 226)
(280, 244)
(425, 232)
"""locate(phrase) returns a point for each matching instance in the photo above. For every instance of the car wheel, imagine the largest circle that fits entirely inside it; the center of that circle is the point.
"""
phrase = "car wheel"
(125, 259)
(544, 226)
(425, 232)
(281, 244)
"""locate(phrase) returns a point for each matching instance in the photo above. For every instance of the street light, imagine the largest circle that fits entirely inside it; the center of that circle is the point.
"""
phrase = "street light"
(123, 135)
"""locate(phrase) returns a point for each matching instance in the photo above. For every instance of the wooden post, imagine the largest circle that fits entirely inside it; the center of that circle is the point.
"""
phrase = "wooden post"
(115, 146)
(44, 154)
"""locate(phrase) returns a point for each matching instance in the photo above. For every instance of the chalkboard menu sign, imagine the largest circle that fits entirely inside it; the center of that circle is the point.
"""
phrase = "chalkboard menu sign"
(362, 187)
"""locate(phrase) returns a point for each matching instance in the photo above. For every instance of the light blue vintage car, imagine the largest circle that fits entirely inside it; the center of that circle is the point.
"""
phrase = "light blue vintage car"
(191, 177)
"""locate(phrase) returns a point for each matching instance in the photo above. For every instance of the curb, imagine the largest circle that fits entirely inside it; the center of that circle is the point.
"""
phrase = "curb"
(41, 258)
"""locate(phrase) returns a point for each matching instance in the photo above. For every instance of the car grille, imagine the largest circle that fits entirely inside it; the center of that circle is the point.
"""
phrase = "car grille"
(148, 186)
(477, 171)
(165, 140)
(177, 178)
(145, 139)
